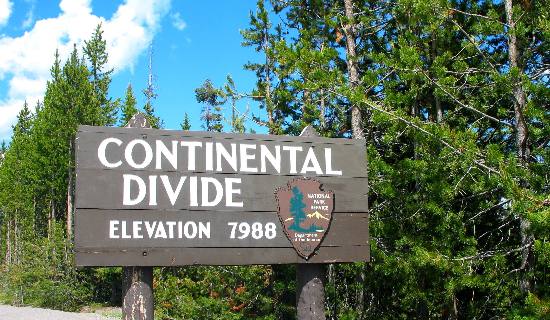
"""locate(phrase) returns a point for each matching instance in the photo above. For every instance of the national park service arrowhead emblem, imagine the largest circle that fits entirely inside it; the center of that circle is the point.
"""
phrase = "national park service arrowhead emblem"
(305, 212)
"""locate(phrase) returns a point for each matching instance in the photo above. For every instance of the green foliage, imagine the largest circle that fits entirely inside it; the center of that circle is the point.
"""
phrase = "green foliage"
(37, 181)
(217, 292)
(129, 108)
(459, 221)
(153, 119)
(186, 124)
(43, 275)
(213, 99)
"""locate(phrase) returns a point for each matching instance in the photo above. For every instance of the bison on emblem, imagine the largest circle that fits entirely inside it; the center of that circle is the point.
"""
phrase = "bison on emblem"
(305, 212)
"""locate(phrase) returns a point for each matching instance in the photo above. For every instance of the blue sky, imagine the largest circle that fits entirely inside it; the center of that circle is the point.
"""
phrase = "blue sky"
(192, 40)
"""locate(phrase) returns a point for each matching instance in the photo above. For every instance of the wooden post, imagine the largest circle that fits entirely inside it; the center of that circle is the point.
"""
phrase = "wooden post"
(137, 291)
(137, 282)
(310, 291)
(310, 278)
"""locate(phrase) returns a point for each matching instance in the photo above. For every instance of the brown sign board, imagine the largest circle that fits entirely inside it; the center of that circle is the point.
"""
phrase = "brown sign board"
(147, 197)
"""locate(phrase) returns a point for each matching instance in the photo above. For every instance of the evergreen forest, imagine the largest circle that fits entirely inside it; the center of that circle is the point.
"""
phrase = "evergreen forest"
(452, 98)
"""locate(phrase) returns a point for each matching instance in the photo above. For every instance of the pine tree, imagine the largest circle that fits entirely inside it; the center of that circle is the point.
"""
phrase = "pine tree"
(232, 96)
(24, 120)
(262, 36)
(95, 51)
(297, 210)
(154, 120)
(186, 124)
(129, 106)
(212, 98)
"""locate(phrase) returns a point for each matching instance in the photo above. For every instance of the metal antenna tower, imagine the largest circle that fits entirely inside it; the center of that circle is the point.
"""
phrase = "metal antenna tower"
(150, 90)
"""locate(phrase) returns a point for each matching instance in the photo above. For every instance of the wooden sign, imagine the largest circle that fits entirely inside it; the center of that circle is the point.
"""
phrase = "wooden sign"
(147, 197)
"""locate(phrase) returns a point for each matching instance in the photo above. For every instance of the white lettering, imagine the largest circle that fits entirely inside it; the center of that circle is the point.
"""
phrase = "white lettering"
(204, 230)
(311, 158)
(193, 201)
(136, 228)
(126, 193)
(170, 225)
(129, 154)
(245, 157)
(101, 152)
(292, 150)
(171, 156)
(192, 145)
(209, 156)
(328, 163)
(153, 190)
(205, 190)
(275, 160)
(230, 191)
(113, 227)
(125, 235)
(230, 158)
(172, 194)
(190, 230)
(150, 228)
(161, 233)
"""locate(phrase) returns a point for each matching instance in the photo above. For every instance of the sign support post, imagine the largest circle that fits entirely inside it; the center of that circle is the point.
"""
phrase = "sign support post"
(137, 291)
(137, 281)
(310, 289)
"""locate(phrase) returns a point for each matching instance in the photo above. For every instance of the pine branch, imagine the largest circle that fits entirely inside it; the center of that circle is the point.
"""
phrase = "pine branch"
(455, 99)
(477, 15)
(490, 253)
(410, 123)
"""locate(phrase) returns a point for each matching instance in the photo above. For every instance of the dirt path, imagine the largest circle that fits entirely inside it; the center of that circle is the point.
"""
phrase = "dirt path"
(28, 313)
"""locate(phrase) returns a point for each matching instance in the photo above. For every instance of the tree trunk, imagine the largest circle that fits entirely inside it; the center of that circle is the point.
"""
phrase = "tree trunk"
(51, 220)
(331, 283)
(2, 259)
(519, 94)
(8, 243)
(522, 135)
(438, 108)
(70, 192)
(356, 118)
(353, 72)
(15, 240)
(322, 108)
(322, 111)
(307, 100)
(268, 102)
(454, 313)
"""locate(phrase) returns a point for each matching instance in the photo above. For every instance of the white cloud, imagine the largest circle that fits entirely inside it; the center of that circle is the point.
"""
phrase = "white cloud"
(26, 60)
(5, 11)
(177, 21)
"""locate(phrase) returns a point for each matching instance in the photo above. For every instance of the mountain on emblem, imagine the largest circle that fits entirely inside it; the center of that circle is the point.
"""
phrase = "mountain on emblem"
(305, 212)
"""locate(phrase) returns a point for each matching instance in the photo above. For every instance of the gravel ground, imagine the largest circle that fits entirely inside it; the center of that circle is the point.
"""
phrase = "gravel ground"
(28, 313)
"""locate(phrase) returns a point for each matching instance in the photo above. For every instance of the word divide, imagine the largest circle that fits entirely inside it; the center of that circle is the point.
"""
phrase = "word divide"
(191, 156)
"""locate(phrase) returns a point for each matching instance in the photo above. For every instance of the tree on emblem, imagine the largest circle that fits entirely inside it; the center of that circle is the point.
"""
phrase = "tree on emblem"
(297, 210)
